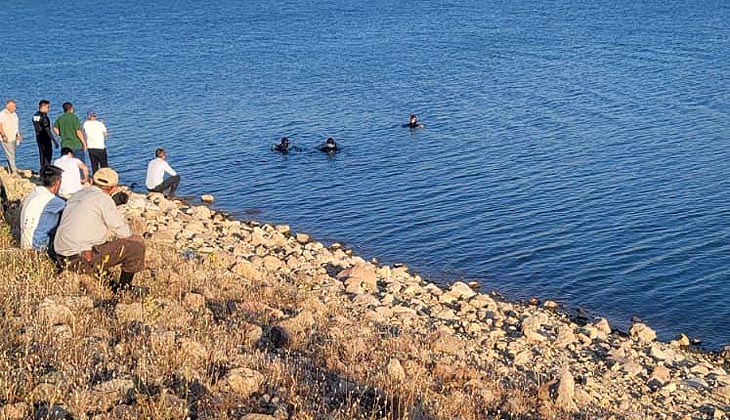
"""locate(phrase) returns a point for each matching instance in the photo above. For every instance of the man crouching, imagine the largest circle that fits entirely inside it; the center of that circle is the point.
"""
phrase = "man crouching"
(81, 239)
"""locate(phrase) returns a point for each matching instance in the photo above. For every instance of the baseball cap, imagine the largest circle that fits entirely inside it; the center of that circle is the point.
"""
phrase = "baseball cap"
(106, 177)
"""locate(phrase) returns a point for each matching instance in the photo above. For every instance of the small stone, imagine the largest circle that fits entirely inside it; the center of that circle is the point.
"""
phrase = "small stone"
(207, 198)
(656, 353)
(695, 383)
(681, 341)
(272, 263)
(642, 332)
(194, 302)
(201, 213)
(662, 374)
(256, 416)
(303, 238)
(244, 382)
(603, 326)
(195, 353)
(549, 304)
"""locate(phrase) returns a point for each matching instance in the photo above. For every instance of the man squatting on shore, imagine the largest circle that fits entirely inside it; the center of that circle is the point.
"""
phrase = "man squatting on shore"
(81, 239)
(156, 170)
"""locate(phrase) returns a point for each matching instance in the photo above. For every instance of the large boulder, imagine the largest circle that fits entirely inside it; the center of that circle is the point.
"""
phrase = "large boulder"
(642, 332)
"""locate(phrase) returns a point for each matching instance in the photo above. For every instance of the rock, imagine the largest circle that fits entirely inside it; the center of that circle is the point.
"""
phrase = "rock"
(255, 416)
(457, 291)
(244, 382)
(195, 353)
(695, 383)
(54, 313)
(566, 336)
(360, 274)
(395, 370)
(632, 368)
(662, 374)
(566, 392)
(194, 302)
(246, 270)
(201, 213)
(126, 313)
(294, 331)
(603, 326)
(642, 332)
(549, 304)
(108, 394)
(303, 238)
(681, 341)
(207, 198)
(656, 353)
(272, 263)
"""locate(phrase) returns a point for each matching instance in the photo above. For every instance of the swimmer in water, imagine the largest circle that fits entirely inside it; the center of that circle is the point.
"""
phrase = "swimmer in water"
(329, 146)
(413, 122)
(283, 146)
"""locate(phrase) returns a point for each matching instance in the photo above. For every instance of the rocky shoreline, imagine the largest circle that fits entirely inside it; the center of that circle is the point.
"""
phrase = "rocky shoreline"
(495, 359)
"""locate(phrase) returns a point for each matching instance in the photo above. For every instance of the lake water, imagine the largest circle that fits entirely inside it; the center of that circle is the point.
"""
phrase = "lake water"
(574, 150)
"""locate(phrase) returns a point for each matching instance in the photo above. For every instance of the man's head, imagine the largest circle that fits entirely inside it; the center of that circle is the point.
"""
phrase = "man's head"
(161, 153)
(68, 107)
(284, 141)
(51, 178)
(91, 115)
(330, 141)
(107, 180)
(44, 106)
(10, 105)
(413, 119)
(66, 151)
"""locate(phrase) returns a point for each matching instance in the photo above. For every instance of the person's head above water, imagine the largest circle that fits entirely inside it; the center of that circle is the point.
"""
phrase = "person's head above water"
(413, 119)
(330, 140)
(284, 141)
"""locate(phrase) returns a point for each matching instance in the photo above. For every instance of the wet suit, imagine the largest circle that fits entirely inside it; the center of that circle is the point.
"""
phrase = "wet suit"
(44, 137)
(329, 148)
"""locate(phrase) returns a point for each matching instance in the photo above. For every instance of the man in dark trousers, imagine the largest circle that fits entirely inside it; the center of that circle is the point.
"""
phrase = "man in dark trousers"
(43, 134)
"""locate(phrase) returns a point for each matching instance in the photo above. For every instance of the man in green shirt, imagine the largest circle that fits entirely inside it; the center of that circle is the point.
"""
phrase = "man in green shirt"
(68, 127)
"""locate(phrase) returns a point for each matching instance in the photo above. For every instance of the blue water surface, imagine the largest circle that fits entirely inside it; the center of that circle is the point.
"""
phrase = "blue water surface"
(573, 150)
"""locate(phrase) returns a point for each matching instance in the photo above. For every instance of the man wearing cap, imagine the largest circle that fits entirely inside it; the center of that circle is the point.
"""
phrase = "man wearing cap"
(43, 134)
(41, 212)
(81, 240)
(68, 127)
(96, 133)
(10, 136)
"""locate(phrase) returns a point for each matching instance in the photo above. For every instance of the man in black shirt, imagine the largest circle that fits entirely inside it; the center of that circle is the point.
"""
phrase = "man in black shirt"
(43, 134)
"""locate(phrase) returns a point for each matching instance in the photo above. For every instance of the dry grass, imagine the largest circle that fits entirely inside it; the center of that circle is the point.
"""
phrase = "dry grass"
(335, 369)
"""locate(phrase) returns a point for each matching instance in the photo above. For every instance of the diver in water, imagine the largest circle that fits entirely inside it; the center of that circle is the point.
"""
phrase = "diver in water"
(329, 146)
(284, 146)
(413, 122)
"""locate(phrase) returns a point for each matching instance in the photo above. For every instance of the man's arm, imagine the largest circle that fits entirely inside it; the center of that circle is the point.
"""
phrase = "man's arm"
(80, 135)
(2, 131)
(55, 128)
(169, 169)
(85, 171)
(113, 218)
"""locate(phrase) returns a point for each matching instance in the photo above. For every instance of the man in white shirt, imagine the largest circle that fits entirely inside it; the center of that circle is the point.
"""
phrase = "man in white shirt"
(71, 181)
(96, 134)
(156, 170)
(10, 136)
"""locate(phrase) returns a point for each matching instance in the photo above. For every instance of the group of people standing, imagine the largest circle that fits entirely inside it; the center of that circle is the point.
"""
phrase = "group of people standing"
(73, 215)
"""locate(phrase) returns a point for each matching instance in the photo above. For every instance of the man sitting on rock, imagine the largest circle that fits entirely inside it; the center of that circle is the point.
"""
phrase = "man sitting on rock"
(156, 170)
(81, 241)
(41, 212)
